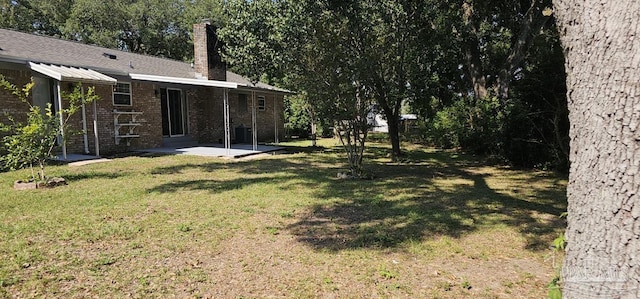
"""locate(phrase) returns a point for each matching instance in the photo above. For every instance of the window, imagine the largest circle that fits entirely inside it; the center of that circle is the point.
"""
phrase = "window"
(242, 103)
(122, 94)
(261, 103)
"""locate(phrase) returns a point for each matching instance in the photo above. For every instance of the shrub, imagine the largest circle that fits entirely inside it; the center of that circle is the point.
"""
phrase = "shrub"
(475, 126)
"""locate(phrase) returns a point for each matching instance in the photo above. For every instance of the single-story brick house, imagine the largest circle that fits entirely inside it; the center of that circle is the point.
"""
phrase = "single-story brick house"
(146, 101)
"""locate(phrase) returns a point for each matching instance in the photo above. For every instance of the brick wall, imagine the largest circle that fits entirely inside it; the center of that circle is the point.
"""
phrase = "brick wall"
(150, 130)
(207, 60)
(10, 103)
(200, 61)
(144, 99)
(206, 122)
(206, 116)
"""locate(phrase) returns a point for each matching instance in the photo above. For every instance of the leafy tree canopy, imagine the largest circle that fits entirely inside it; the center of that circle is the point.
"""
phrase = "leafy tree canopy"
(155, 27)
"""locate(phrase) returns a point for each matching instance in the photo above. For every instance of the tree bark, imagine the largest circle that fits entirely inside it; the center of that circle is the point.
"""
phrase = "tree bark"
(394, 135)
(472, 52)
(474, 69)
(534, 20)
(602, 59)
(391, 108)
(314, 128)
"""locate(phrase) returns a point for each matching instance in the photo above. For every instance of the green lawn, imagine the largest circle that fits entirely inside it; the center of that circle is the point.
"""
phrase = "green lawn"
(441, 225)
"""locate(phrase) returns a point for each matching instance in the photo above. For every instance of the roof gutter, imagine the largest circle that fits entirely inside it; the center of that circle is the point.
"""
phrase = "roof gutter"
(178, 80)
(12, 59)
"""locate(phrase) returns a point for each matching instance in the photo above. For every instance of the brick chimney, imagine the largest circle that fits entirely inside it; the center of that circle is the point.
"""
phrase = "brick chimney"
(206, 49)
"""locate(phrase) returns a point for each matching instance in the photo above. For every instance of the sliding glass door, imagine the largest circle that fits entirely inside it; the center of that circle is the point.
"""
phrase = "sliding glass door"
(173, 112)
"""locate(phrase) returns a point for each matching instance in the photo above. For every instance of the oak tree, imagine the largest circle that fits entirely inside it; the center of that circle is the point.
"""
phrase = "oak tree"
(602, 60)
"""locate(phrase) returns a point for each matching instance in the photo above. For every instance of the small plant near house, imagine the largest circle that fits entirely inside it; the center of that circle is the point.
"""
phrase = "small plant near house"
(31, 144)
(386, 274)
(555, 286)
(185, 228)
(465, 284)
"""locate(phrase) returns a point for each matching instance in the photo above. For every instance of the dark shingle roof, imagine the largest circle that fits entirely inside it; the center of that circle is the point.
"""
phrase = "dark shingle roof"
(22, 47)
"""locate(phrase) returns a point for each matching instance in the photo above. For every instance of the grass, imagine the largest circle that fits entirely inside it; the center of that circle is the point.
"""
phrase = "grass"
(440, 224)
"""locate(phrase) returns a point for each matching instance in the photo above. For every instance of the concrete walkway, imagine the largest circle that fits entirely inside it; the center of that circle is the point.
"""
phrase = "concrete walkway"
(75, 158)
(215, 150)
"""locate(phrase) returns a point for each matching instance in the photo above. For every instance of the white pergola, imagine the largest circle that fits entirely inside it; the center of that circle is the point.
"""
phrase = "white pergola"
(74, 74)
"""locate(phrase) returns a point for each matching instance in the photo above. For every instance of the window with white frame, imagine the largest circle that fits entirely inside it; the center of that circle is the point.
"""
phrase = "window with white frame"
(122, 94)
(261, 103)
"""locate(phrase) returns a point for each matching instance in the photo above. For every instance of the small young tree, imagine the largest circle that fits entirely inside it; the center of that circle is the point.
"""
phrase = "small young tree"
(314, 48)
(32, 143)
(349, 115)
(353, 133)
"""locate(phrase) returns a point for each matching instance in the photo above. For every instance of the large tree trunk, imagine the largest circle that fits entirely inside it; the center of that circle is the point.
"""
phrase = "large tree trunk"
(534, 20)
(472, 52)
(602, 48)
(393, 123)
(391, 108)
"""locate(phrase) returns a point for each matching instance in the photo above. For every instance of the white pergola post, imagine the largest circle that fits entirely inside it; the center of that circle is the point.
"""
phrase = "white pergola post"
(254, 123)
(227, 125)
(95, 128)
(64, 144)
(85, 138)
(275, 117)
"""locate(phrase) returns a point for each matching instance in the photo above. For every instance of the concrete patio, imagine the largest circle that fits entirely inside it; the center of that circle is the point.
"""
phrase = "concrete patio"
(215, 150)
(205, 150)
(75, 158)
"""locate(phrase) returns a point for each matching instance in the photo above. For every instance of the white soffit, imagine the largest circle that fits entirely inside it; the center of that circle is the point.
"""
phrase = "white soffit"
(178, 80)
(71, 74)
(247, 87)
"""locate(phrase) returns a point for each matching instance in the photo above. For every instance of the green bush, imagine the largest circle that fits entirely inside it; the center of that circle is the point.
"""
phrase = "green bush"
(515, 131)
(476, 127)
(297, 119)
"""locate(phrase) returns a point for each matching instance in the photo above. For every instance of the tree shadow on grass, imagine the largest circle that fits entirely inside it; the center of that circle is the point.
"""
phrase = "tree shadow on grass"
(303, 168)
(374, 217)
(289, 149)
(73, 177)
(214, 185)
(438, 194)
